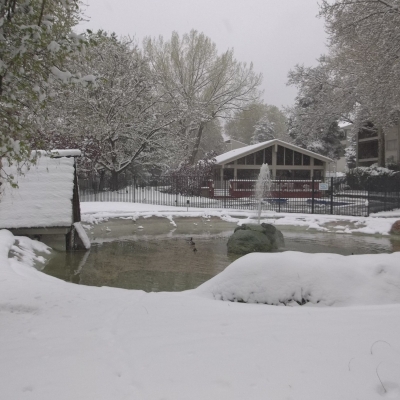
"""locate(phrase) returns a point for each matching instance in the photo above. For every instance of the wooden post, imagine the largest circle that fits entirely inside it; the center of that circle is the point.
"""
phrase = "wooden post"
(76, 213)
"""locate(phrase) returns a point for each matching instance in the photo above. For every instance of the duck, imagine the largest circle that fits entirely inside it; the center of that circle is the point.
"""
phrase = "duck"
(194, 249)
(191, 242)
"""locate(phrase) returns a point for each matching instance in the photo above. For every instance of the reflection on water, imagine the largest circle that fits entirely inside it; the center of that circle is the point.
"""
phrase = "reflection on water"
(167, 262)
(344, 244)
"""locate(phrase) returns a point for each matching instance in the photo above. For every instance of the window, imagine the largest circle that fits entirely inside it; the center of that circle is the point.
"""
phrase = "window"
(318, 162)
(306, 160)
(228, 173)
(248, 173)
(259, 157)
(368, 150)
(280, 156)
(368, 131)
(250, 159)
(284, 174)
(365, 163)
(288, 157)
(318, 174)
(297, 158)
(241, 161)
(302, 174)
(268, 155)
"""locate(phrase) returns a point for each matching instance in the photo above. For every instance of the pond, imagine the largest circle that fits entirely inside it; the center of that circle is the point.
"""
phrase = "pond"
(155, 254)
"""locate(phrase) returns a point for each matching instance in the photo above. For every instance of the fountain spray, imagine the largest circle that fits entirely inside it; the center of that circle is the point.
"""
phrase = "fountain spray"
(263, 187)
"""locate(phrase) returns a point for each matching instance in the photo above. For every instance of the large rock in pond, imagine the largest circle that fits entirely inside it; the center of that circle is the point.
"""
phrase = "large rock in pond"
(395, 230)
(250, 238)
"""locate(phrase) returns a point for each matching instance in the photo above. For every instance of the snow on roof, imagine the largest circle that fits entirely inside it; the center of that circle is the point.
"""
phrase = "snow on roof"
(233, 154)
(66, 153)
(43, 197)
(244, 151)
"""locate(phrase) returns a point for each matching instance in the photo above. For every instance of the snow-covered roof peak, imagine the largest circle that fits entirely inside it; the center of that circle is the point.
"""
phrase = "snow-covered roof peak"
(244, 151)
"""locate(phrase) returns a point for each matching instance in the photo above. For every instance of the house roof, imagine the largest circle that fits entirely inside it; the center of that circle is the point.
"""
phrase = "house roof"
(244, 151)
(344, 124)
(43, 197)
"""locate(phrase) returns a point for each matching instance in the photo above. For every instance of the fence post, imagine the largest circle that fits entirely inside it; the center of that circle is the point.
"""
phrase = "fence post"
(385, 186)
(279, 196)
(224, 192)
(176, 188)
(398, 195)
(331, 195)
(312, 196)
(368, 202)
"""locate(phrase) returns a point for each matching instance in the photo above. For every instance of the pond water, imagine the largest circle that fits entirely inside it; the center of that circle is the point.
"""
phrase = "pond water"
(155, 254)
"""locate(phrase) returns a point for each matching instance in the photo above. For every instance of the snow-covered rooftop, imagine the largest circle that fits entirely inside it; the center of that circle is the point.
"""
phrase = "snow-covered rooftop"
(43, 197)
(244, 151)
(66, 153)
(344, 124)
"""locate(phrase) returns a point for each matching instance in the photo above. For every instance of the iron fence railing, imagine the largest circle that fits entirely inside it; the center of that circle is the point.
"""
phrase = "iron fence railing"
(333, 196)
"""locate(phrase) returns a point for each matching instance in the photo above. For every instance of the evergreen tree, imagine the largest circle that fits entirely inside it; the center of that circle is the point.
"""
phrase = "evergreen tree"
(264, 130)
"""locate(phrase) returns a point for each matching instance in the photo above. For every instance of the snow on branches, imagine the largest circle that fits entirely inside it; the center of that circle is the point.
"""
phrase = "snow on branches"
(35, 40)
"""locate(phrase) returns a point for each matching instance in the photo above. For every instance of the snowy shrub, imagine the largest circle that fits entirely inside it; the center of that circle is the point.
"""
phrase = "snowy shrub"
(373, 177)
(188, 179)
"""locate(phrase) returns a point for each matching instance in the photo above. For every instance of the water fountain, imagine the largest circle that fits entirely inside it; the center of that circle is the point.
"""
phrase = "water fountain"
(263, 187)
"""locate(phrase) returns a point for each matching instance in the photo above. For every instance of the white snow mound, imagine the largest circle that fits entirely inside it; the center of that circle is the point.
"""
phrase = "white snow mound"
(294, 278)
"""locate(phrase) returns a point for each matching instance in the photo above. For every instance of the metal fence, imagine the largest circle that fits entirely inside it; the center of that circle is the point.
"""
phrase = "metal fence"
(332, 196)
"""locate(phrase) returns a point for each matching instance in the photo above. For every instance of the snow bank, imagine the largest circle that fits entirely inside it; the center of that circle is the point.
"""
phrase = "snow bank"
(20, 252)
(293, 278)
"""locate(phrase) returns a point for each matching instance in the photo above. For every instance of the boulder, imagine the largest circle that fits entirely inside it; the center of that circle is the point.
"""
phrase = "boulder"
(249, 238)
(395, 230)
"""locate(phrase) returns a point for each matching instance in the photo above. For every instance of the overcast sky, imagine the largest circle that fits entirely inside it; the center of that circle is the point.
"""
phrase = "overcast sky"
(273, 34)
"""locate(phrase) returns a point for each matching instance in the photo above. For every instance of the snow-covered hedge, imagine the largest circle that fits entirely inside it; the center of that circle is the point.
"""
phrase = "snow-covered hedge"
(363, 178)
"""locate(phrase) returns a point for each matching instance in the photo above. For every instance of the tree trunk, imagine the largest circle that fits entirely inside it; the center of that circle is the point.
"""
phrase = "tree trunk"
(114, 180)
(101, 183)
(381, 148)
(196, 146)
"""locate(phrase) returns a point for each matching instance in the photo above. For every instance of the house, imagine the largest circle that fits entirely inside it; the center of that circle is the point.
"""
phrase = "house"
(367, 146)
(285, 161)
(45, 205)
(295, 172)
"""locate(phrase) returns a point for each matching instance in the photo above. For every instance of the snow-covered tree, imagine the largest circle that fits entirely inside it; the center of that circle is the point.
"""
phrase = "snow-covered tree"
(350, 153)
(264, 130)
(120, 116)
(321, 102)
(359, 80)
(199, 81)
(242, 124)
(323, 99)
(364, 43)
(213, 140)
(322, 138)
(36, 37)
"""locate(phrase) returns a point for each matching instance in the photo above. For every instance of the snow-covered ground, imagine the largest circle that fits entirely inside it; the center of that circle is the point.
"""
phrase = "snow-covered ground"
(64, 341)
